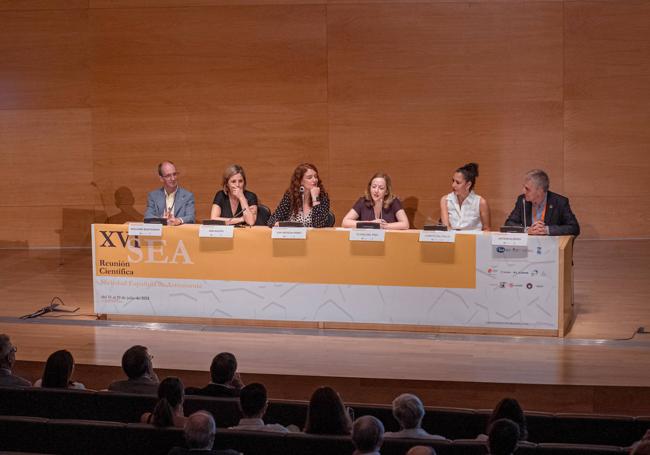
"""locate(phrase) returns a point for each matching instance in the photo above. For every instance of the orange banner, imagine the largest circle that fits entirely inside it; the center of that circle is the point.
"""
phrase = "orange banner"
(326, 257)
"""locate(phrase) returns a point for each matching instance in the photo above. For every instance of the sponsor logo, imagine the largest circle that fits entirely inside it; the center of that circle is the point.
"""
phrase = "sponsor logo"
(529, 285)
(501, 249)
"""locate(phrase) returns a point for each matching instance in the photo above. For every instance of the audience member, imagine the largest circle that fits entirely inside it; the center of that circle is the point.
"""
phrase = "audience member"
(409, 412)
(367, 435)
(225, 379)
(326, 413)
(58, 372)
(136, 363)
(7, 362)
(421, 450)
(253, 403)
(642, 448)
(200, 430)
(508, 408)
(503, 437)
(169, 409)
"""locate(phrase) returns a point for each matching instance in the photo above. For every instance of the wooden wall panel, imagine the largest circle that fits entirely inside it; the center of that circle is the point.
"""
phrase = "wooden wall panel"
(44, 59)
(220, 55)
(268, 141)
(48, 161)
(607, 112)
(50, 157)
(194, 3)
(431, 52)
(23, 5)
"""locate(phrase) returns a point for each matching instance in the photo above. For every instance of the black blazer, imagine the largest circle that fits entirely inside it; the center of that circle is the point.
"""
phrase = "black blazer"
(559, 218)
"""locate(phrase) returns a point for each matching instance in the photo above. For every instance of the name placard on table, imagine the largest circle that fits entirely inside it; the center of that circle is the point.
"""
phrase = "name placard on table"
(296, 233)
(509, 239)
(367, 235)
(438, 236)
(216, 231)
(145, 229)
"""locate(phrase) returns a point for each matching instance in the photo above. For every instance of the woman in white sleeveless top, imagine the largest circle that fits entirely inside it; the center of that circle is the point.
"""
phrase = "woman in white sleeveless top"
(463, 209)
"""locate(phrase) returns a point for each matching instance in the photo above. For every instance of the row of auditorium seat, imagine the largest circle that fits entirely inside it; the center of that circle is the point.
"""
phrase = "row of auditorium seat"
(452, 423)
(77, 437)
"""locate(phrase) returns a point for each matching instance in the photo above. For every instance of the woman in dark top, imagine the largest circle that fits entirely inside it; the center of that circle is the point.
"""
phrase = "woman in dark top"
(327, 413)
(508, 408)
(169, 409)
(305, 201)
(234, 204)
(379, 205)
(58, 372)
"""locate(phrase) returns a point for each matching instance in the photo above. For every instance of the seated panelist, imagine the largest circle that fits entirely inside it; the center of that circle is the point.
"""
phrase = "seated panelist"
(234, 204)
(171, 201)
(305, 201)
(378, 205)
(463, 209)
(541, 211)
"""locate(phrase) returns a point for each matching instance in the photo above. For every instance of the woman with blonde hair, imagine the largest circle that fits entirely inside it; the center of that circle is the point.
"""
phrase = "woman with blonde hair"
(234, 204)
(379, 205)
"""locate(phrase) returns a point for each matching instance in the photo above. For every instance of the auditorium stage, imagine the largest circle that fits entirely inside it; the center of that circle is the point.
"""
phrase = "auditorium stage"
(594, 369)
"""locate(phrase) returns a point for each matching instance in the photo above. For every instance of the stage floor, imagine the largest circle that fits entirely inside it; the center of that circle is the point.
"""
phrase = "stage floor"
(590, 370)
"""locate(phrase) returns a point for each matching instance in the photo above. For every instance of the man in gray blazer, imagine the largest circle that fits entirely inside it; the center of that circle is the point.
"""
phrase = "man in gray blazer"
(171, 201)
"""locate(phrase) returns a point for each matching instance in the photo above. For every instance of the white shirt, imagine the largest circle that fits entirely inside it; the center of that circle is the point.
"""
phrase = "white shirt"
(413, 433)
(467, 216)
(259, 425)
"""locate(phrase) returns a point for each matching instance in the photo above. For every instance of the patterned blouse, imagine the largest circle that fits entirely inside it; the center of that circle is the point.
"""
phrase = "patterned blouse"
(317, 217)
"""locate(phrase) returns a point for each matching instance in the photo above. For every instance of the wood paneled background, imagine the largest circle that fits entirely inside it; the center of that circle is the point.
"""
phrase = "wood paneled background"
(94, 93)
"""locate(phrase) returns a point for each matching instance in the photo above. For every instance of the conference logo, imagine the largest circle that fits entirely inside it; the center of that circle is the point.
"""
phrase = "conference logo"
(147, 251)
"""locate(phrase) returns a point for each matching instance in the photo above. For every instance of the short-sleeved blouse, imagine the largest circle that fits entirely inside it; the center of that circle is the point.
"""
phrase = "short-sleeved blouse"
(221, 199)
(367, 213)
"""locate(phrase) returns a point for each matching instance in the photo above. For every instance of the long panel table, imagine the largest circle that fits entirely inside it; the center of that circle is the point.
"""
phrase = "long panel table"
(330, 281)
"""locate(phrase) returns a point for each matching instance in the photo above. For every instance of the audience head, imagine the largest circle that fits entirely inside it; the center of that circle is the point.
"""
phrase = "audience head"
(642, 448)
(304, 176)
(509, 408)
(7, 352)
(136, 362)
(223, 368)
(200, 431)
(233, 176)
(253, 400)
(464, 179)
(421, 450)
(171, 393)
(536, 185)
(503, 437)
(58, 369)
(380, 187)
(327, 413)
(367, 434)
(408, 411)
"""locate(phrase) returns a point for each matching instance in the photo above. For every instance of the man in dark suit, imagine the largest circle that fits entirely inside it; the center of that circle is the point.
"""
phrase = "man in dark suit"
(138, 366)
(200, 430)
(171, 201)
(225, 379)
(545, 212)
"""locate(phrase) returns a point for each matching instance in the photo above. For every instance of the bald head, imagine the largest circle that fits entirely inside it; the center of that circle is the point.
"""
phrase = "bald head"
(421, 450)
(200, 430)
